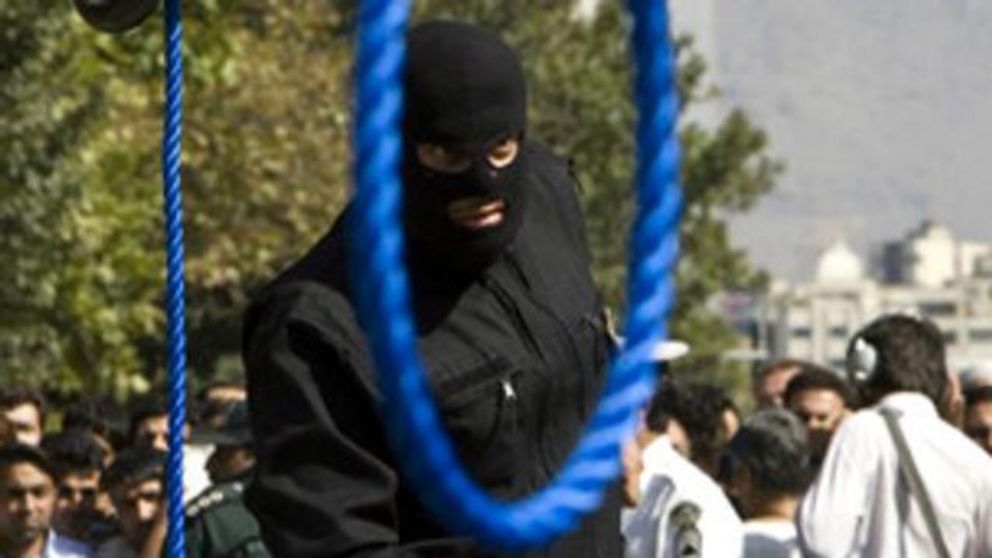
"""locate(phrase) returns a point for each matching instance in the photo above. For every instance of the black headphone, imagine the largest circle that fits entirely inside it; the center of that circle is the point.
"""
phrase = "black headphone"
(115, 16)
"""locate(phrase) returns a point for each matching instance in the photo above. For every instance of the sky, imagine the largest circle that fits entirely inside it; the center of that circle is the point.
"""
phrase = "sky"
(881, 110)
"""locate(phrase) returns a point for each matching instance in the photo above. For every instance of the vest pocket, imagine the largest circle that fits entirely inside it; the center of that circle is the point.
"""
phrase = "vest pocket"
(479, 404)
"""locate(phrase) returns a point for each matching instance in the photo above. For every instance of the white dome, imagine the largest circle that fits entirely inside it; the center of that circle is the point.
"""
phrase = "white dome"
(839, 264)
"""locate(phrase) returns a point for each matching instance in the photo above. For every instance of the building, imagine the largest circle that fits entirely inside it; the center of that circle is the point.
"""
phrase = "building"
(930, 256)
(928, 274)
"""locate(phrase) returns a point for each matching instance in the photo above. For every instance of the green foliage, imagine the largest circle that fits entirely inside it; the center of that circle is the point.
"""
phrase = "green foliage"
(265, 166)
(265, 171)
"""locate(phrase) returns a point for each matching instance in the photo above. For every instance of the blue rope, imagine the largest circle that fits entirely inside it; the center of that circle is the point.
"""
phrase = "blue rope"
(175, 273)
(383, 298)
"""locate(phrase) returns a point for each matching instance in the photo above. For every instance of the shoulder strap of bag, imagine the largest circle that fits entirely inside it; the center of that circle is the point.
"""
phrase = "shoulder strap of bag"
(911, 476)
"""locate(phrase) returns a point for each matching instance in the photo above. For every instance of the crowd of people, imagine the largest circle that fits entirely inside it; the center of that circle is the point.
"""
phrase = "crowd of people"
(890, 457)
(814, 471)
(94, 487)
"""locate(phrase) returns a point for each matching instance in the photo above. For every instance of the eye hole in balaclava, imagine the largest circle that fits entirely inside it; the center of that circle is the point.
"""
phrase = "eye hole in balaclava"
(465, 112)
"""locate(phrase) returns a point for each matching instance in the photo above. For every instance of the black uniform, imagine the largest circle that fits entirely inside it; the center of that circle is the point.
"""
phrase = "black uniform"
(510, 332)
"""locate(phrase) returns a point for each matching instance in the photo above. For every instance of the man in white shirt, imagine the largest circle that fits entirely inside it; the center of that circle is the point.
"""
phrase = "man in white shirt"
(863, 503)
(680, 511)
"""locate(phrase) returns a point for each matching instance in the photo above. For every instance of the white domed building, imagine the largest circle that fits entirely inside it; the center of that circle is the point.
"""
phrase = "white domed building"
(815, 320)
(839, 265)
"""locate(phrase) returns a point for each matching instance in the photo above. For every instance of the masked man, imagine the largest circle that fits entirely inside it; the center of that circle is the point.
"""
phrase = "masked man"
(509, 325)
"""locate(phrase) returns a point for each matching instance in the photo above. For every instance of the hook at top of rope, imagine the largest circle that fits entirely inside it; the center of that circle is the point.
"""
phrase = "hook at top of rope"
(115, 16)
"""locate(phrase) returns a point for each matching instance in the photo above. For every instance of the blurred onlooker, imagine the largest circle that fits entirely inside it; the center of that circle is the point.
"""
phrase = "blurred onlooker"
(978, 416)
(27, 503)
(216, 400)
(217, 521)
(897, 479)
(821, 399)
(976, 376)
(6, 432)
(696, 421)
(766, 467)
(103, 418)
(77, 461)
(212, 414)
(771, 381)
(136, 484)
(680, 510)
(149, 424)
(149, 428)
(24, 410)
(233, 457)
(731, 419)
(224, 392)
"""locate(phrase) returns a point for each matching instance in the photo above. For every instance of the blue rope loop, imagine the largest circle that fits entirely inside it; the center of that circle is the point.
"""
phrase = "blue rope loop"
(383, 296)
(175, 274)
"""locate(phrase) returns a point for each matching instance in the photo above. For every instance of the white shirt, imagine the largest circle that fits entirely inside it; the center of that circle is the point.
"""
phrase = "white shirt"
(858, 505)
(58, 546)
(770, 539)
(668, 480)
(195, 476)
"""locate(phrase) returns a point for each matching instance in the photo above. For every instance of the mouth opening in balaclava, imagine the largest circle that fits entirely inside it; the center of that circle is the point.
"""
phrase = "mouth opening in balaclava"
(466, 93)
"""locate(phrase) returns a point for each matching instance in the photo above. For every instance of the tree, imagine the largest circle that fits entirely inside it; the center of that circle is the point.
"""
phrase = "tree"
(266, 122)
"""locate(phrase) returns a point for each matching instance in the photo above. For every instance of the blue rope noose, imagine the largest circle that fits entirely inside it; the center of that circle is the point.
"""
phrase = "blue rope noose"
(175, 273)
(383, 298)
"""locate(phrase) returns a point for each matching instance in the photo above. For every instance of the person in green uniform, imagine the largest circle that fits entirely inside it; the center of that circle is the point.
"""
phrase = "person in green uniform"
(218, 525)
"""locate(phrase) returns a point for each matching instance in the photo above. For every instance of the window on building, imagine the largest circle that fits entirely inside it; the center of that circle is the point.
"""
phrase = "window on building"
(938, 309)
(950, 337)
(839, 332)
(802, 332)
(980, 335)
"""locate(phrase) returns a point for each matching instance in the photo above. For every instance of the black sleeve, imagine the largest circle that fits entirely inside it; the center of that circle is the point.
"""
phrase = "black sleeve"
(322, 487)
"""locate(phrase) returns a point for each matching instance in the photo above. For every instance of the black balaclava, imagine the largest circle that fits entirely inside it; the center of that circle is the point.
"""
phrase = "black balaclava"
(465, 90)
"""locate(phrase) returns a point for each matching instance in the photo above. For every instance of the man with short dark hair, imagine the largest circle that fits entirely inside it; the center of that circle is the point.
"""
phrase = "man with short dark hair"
(149, 424)
(27, 502)
(77, 460)
(770, 382)
(821, 400)
(766, 468)
(149, 429)
(695, 414)
(24, 410)
(897, 480)
(678, 510)
(978, 416)
(104, 418)
(136, 484)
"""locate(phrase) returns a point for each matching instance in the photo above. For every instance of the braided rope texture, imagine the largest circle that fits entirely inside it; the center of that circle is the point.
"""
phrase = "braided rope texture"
(175, 274)
(414, 427)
